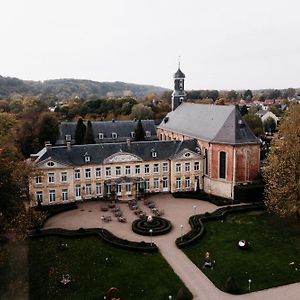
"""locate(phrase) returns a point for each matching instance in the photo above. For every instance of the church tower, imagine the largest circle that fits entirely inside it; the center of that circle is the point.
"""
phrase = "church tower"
(178, 95)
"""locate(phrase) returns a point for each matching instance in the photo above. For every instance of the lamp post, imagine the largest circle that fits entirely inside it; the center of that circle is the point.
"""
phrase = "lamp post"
(150, 231)
(194, 207)
(249, 284)
(102, 218)
(181, 227)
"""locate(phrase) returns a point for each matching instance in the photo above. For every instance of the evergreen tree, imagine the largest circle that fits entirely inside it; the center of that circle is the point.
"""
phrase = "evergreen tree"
(139, 132)
(244, 110)
(80, 132)
(89, 134)
(47, 128)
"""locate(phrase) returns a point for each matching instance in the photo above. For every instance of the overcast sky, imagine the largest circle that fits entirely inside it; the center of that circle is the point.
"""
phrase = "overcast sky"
(232, 44)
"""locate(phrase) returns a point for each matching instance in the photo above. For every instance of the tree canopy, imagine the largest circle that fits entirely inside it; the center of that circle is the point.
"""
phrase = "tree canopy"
(255, 123)
(282, 172)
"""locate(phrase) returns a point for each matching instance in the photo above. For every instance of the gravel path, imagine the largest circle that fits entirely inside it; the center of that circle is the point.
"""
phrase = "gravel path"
(178, 212)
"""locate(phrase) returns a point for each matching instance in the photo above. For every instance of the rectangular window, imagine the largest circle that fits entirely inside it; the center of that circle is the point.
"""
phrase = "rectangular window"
(118, 171)
(147, 185)
(51, 178)
(165, 167)
(108, 189)
(98, 189)
(88, 173)
(196, 166)
(137, 169)
(187, 182)
(77, 174)
(128, 188)
(178, 183)
(119, 188)
(132, 134)
(64, 177)
(206, 161)
(64, 195)
(187, 167)
(165, 184)
(39, 197)
(147, 169)
(87, 158)
(156, 183)
(100, 136)
(108, 172)
(78, 192)
(51, 196)
(155, 168)
(88, 190)
(222, 164)
(68, 137)
(127, 170)
(38, 179)
(178, 168)
(148, 133)
(98, 172)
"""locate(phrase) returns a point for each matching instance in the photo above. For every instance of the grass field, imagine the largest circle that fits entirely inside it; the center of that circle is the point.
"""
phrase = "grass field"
(95, 267)
(273, 258)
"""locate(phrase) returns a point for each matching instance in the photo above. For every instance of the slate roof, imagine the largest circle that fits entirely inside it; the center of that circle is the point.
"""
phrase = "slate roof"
(99, 152)
(179, 74)
(122, 128)
(212, 123)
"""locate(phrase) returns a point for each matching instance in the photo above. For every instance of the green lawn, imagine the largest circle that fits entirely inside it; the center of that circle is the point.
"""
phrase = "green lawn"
(95, 267)
(274, 245)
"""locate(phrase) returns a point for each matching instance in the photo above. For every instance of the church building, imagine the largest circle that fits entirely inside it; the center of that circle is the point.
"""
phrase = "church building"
(230, 149)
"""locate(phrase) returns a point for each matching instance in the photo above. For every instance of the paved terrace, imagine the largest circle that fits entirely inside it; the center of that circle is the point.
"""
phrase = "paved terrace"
(178, 212)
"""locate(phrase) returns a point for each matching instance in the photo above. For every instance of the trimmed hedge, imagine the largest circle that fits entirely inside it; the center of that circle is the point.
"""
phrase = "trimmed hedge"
(104, 234)
(196, 221)
(200, 195)
(158, 225)
(246, 193)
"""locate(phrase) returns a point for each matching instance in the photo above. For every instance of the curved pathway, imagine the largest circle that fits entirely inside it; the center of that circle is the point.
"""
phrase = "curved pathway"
(178, 212)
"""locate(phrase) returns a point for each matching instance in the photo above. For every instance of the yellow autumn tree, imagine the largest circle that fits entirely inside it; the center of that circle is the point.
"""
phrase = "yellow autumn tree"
(282, 172)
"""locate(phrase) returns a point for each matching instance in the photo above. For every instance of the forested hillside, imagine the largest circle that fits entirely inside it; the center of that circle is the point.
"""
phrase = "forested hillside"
(68, 88)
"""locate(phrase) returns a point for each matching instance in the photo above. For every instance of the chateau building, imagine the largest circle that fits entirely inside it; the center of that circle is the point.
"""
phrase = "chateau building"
(206, 147)
(107, 131)
(77, 172)
(230, 149)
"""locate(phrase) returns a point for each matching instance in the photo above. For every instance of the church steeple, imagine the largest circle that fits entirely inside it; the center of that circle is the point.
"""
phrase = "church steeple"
(178, 95)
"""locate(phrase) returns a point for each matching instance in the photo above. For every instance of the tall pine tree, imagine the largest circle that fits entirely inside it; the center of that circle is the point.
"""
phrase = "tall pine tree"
(89, 134)
(80, 132)
(139, 132)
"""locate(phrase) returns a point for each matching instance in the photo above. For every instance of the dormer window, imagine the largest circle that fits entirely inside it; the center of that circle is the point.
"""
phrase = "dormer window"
(100, 136)
(198, 150)
(132, 134)
(187, 154)
(50, 164)
(153, 152)
(87, 157)
(68, 137)
(148, 133)
(114, 135)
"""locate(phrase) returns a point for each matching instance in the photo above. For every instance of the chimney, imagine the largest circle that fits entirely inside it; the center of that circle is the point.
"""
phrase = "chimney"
(69, 146)
(47, 145)
(128, 142)
(33, 157)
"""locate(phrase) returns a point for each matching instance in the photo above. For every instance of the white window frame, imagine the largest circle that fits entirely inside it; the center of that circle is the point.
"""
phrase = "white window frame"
(98, 172)
(178, 167)
(119, 189)
(39, 196)
(148, 133)
(118, 171)
(98, 189)
(165, 167)
(68, 137)
(137, 169)
(128, 188)
(187, 182)
(87, 158)
(100, 136)
(155, 168)
(65, 195)
(52, 196)
(64, 176)
(127, 170)
(132, 134)
(88, 173)
(77, 174)
(187, 167)
(108, 172)
(114, 135)
(51, 178)
(165, 184)
(88, 190)
(147, 185)
(147, 169)
(178, 183)
(196, 166)
(38, 180)
(156, 183)
(77, 192)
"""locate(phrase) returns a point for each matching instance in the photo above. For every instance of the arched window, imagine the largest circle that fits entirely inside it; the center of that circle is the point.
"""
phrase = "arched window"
(222, 164)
